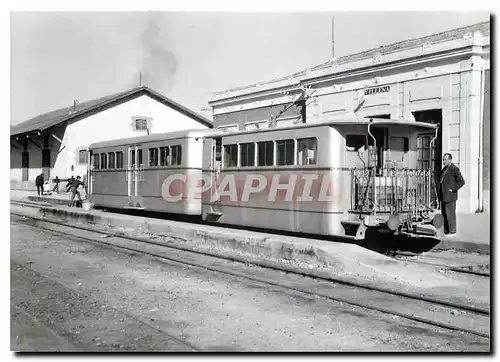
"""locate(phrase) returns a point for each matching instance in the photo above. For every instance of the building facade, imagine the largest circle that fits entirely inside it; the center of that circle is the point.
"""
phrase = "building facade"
(443, 78)
(56, 143)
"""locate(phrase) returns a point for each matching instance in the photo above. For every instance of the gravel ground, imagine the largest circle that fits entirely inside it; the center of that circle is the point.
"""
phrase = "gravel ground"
(71, 296)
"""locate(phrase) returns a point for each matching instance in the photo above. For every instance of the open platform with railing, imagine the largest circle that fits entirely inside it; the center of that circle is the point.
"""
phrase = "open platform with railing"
(393, 191)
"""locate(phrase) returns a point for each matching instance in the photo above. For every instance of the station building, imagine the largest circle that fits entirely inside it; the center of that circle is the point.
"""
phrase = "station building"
(56, 143)
(442, 78)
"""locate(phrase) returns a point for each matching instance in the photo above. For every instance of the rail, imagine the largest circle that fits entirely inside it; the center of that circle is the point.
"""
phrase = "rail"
(393, 190)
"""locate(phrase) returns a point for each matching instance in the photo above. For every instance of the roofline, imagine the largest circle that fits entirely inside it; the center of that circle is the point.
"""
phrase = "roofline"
(155, 137)
(348, 122)
(122, 97)
(304, 76)
(210, 133)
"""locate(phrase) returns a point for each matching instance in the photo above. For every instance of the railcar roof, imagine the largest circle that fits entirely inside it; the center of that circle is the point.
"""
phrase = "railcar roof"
(192, 133)
(354, 122)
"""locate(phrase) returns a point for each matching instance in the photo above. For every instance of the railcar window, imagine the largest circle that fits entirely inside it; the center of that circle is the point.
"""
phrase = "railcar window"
(153, 157)
(247, 154)
(307, 151)
(354, 142)
(284, 152)
(119, 159)
(104, 159)
(111, 160)
(265, 153)
(96, 161)
(164, 154)
(139, 152)
(230, 155)
(132, 158)
(176, 155)
(423, 152)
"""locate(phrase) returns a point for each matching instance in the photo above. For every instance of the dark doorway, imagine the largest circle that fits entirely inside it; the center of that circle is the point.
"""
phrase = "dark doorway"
(46, 163)
(428, 157)
(25, 164)
(380, 116)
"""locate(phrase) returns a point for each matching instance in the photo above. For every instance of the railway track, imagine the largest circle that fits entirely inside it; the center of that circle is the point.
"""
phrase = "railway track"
(398, 255)
(456, 269)
(433, 312)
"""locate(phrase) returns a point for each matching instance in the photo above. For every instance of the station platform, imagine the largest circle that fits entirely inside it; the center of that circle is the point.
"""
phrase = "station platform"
(473, 234)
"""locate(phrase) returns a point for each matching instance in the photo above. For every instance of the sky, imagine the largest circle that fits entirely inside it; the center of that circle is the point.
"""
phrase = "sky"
(59, 57)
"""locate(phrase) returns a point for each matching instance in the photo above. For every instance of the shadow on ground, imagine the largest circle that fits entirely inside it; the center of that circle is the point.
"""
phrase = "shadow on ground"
(383, 241)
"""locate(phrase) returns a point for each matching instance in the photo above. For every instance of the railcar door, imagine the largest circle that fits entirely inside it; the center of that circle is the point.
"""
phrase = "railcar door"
(130, 175)
(90, 174)
(212, 153)
(135, 176)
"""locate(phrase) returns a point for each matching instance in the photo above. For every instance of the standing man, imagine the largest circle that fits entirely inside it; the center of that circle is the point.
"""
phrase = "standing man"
(56, 186)
(451, 181)
(70, 181)
(39, 184)
(75, 183)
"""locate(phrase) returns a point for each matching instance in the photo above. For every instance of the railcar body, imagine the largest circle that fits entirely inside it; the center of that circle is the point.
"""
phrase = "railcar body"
(130, 173)
(323, 178)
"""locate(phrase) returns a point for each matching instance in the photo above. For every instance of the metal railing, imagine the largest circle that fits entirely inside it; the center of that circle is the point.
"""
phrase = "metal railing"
(393, 190)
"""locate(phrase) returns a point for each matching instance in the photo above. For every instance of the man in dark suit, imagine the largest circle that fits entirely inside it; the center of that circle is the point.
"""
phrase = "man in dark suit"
(39, 184)
(450, 182)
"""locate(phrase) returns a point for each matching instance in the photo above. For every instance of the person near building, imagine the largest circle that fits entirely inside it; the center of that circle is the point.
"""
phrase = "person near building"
(74, 190)
(451, 181)
(56, 186)
(39, 184)
(70, 181)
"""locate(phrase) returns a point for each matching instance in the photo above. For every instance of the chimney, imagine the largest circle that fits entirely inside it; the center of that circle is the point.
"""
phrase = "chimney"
(75, 102)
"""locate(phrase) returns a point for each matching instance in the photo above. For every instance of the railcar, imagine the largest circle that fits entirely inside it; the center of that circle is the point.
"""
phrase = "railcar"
(330, 178)
(324, 178)
(129, 173)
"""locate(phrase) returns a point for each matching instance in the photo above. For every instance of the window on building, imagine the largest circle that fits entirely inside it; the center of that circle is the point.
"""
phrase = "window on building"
(164, 156)
(119, 159)
(230, 155)
(96, 161)
(153, 157)
(265, 153)
(176, 157)
(104, 160)
(354, 142)
(82, 156)
(307, 151)
(247, 151)
(141, 124)
(285, 152)
(111, 160)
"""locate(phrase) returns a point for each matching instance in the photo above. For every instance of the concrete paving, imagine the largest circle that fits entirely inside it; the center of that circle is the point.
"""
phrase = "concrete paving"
(473, 234)
(345, 262)
(107, 300)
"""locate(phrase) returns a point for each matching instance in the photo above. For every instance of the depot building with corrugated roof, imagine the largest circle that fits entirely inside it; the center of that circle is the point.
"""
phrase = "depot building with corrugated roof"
(56, 143)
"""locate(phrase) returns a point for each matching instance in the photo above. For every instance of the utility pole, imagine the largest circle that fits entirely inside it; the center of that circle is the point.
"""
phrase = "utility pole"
(333, 37)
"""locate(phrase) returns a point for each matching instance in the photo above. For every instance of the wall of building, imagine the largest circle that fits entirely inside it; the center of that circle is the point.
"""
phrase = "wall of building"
(113, 123)
(486, 132)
